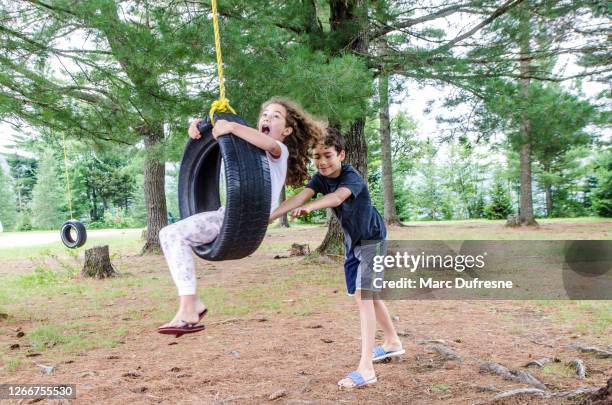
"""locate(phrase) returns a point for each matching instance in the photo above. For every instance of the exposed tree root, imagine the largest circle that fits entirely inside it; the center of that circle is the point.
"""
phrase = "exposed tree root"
(601, 353)
(520, 376)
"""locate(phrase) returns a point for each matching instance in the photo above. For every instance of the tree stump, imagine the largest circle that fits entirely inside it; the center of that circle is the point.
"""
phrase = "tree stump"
(97, 263)
(513, 221)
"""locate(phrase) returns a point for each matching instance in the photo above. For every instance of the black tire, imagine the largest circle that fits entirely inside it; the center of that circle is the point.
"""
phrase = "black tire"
(248, 186)
(81, 234)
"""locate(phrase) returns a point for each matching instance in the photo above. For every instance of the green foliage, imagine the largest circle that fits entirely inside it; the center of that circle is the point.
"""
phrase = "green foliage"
(333, 88)
(49, 204)
(149, 68)
(47, 336)
(556, 117)
(315, 217)
(138, 210)
(40, 277)
(431, 197)
(24, 221)
(23, 170)
(566, 180)
(477, 207)
(8, 208)
(465, 173)
(405, 151)
(101, 181)
(116, 219)
(501, 205)
(602, 196)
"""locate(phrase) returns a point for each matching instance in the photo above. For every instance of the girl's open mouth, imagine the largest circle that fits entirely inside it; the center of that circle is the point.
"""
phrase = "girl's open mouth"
(265, 129)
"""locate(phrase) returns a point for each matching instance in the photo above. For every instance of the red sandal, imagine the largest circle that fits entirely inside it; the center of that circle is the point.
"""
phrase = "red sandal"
(179, 331)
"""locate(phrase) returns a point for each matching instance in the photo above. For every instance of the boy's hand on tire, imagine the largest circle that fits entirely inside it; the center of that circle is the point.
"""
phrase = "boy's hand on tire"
(194, 132)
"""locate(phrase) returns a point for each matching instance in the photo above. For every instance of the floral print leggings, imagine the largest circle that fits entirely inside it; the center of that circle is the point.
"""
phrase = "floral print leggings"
(177, 239)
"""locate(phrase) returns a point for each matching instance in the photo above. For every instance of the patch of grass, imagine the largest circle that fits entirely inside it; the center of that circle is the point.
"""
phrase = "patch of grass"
(440, 387)
(121, 331)
(589, 317)
(3, 298)
(107, 293)
(600, 314)
(42, 283)
(43, 276)
(80, 343)
(73, 338)
(577, 219)
(47, 336)
(545, 303)
(310, 305)
(12, 364)
(558, 370)
(135, 314)
(323, 275)
(161, 294)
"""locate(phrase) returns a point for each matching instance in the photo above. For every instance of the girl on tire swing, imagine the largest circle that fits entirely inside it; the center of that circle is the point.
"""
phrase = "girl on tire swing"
(286, 132)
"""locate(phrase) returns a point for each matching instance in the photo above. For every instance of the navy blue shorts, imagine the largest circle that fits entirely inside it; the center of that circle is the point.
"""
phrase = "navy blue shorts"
(358, 271)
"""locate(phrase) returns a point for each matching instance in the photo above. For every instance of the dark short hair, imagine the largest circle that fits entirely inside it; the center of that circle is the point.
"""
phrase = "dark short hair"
(334, 138)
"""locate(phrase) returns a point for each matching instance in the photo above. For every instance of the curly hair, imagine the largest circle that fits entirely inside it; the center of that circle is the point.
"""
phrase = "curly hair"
(306, 133)
(334, 138)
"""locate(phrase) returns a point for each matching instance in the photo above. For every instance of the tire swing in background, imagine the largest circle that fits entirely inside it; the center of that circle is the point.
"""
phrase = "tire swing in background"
(72, 225)
(247, 178)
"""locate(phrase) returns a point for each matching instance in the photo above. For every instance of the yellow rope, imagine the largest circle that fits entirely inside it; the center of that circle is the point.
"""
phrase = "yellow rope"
(222, 104)
(66, 174)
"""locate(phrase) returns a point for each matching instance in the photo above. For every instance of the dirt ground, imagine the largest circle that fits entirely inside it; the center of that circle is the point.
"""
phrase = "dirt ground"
(301, 342)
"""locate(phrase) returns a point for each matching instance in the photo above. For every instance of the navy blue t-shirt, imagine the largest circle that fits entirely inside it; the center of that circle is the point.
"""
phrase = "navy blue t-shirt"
(358, 217)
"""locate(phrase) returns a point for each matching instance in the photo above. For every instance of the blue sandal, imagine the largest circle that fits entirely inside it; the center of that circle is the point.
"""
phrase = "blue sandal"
(357, 380)
(380, 354)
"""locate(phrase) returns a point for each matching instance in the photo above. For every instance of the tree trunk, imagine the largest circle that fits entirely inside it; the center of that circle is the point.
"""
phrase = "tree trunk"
(154, 190)
(390, 213)
(526, 210)
(94, 205)
(284, 221)
(348, 21)
(549, 201)
(97, 263)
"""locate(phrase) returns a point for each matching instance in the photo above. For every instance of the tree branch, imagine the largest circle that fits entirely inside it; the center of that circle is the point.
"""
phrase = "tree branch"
(507, 6)
(385, 29)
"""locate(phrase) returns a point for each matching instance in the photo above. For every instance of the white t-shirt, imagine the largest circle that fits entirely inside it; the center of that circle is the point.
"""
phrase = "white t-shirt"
(278, 172)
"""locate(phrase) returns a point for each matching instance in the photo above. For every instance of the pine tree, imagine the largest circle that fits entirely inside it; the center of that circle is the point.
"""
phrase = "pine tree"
(49, 204)
(8, 207)
(430, 196)
(501, 205)
(602, 196)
